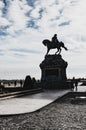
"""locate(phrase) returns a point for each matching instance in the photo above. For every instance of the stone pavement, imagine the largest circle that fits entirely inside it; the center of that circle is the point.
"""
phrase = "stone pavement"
(30, 103)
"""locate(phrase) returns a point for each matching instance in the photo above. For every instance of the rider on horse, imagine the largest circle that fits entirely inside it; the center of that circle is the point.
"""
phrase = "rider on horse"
(54, 39)
(54, 43)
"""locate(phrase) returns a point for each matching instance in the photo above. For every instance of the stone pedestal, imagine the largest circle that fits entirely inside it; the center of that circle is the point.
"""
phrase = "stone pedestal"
(53, 72)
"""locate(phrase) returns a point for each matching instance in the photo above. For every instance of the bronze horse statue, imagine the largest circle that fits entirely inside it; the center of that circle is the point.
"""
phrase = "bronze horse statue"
(52, 45)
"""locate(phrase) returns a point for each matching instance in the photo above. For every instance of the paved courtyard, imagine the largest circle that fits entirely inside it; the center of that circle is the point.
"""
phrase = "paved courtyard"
(59, 115)
(29, 103)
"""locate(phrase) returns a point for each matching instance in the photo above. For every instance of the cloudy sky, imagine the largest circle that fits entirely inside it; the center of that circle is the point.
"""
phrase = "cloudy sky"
(25, 23)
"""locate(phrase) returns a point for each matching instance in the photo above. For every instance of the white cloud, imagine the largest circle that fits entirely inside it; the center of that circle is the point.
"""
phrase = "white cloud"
(1, 5)
(64, 17)
(16, 16)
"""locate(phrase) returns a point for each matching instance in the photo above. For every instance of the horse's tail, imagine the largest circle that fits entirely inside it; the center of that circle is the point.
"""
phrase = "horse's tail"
(63, 46)
(45, 42)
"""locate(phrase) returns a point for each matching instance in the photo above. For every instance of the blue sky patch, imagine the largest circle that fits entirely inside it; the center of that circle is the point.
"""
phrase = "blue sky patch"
(64, 23)
(31, 2)
(25, 50)
(31, 24)
(41, 12)
(2, 33)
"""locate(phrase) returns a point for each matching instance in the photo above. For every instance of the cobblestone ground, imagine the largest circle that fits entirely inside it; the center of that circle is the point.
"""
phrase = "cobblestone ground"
(57, 116)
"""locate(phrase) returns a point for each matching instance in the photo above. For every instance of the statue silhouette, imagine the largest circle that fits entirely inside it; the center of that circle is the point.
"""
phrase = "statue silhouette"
(54, 44)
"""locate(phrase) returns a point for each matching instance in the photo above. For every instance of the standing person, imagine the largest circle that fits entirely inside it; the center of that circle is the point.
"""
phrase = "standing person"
(76, 84)
(72, 83)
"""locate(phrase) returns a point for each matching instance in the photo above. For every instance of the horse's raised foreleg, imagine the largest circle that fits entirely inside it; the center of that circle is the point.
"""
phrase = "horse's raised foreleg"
(57, 51)
(60, 50)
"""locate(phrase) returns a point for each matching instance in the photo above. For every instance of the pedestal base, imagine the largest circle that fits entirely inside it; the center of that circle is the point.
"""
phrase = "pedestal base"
(53, 72)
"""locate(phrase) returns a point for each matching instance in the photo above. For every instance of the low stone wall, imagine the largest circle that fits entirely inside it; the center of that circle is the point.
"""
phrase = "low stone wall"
(20, 93)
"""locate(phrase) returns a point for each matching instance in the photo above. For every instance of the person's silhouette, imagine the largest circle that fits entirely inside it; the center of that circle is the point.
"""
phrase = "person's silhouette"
(54, 39)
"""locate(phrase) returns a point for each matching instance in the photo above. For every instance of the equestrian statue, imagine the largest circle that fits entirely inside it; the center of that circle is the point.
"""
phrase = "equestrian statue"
(54, 43)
